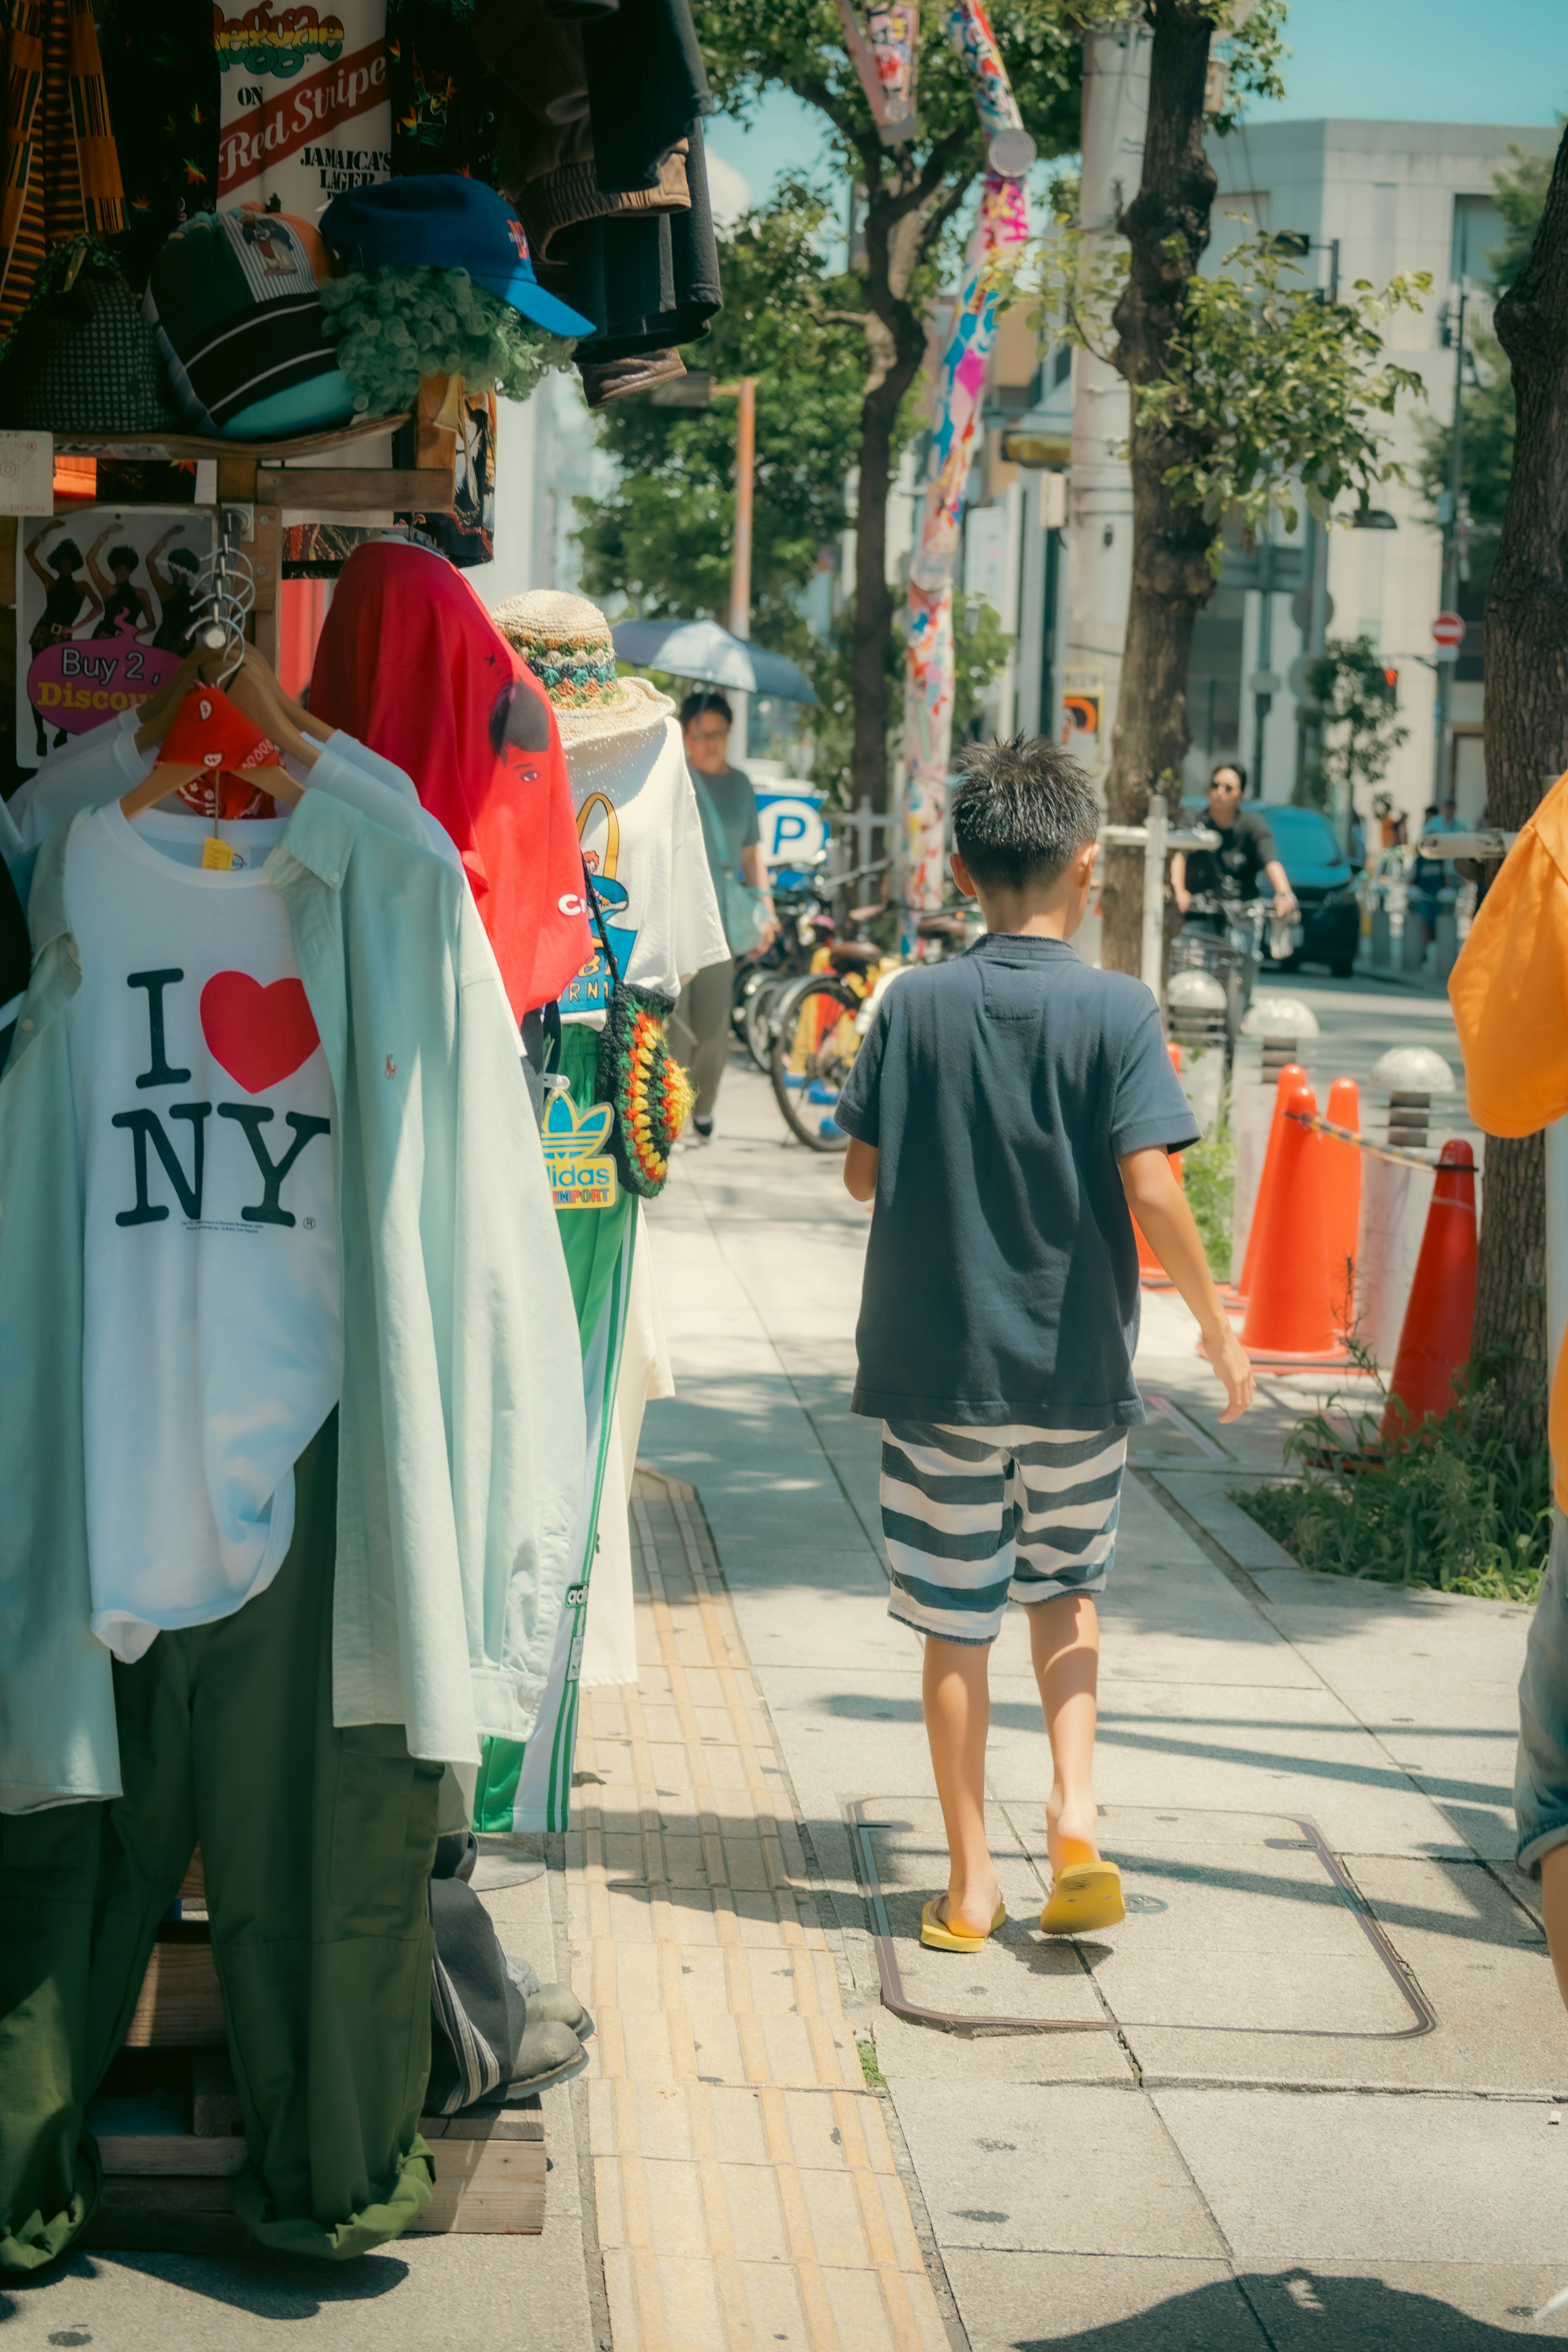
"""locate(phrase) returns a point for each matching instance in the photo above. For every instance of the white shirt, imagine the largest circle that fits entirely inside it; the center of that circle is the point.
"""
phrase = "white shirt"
(213, 1347)
(642, 838)
(104, 765)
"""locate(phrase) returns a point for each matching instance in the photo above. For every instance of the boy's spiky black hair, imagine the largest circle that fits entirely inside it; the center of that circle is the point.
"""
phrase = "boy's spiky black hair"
(1023, 810)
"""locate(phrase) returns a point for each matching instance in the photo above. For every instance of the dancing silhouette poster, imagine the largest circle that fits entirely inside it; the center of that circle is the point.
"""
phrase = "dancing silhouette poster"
(106, 601)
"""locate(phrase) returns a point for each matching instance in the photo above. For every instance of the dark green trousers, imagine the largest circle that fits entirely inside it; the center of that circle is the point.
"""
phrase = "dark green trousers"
(316, 1844)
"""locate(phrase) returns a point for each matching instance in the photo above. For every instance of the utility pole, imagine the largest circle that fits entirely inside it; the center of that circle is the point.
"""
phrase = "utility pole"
(1445, 662)
(1100, 531)
(745, 398)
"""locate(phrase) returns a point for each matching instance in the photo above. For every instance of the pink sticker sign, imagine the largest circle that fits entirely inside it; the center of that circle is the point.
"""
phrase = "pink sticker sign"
(83, 683)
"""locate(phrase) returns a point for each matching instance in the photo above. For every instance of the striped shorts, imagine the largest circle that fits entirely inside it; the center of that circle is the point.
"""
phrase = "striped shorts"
(971, 1517)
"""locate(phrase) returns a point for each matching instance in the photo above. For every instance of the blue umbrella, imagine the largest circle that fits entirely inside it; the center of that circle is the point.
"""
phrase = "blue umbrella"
(703, 651)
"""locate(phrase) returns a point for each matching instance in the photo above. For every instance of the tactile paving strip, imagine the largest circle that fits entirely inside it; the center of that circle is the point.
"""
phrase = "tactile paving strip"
(746, 2189)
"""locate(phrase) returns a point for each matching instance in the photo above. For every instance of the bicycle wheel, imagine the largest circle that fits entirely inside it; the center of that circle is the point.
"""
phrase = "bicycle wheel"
(813, 1046)
(756, 1015)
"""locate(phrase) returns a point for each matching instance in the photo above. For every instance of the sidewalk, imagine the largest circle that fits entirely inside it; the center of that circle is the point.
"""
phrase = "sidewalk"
(1306, 2098)
(1307, 1782)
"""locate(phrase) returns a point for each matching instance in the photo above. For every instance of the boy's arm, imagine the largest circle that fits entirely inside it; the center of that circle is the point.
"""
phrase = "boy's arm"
(1160, 1206)
(860, 1170)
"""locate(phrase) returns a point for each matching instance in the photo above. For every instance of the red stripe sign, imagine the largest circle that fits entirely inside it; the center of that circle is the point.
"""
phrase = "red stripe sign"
(309, 110)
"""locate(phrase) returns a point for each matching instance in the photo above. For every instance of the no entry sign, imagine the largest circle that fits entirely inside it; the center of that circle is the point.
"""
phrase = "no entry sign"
(1448, 632)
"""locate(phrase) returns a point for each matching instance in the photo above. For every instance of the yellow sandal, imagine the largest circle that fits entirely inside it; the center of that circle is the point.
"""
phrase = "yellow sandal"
(938, 1936)
(1086, 1893)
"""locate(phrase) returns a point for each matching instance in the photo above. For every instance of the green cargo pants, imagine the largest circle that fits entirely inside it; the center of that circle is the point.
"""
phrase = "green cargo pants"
(316, 1846)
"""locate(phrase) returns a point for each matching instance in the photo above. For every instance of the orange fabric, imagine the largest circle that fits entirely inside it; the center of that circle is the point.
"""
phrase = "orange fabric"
(1510, 994)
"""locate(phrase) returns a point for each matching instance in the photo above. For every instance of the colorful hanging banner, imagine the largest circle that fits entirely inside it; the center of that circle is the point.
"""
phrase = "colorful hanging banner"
(1001, 233)
(884, 56)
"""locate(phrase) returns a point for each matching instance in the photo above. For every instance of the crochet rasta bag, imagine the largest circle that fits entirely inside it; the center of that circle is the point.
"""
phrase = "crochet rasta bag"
(650, 1092)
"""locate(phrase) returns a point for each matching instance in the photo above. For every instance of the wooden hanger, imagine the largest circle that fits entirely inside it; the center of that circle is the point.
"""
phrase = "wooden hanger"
(170, 775)
(253, 688)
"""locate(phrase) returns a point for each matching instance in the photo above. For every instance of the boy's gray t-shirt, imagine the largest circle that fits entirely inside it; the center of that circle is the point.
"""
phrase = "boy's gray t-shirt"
(1002, 1276)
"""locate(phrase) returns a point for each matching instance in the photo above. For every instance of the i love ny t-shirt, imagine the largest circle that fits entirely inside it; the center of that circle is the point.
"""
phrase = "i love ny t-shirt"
(212, 1343)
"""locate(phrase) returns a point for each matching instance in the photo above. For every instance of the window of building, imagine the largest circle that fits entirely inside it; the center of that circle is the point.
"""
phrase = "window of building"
(1478, 230)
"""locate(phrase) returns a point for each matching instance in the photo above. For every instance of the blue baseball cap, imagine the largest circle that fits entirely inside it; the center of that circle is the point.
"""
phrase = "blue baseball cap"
(441, 220)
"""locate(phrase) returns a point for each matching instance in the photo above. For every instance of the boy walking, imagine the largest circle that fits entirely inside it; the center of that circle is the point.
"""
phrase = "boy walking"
(1010, 1113)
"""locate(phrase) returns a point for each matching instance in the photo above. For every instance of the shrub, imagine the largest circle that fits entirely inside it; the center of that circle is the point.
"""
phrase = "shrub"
(1452, 1503)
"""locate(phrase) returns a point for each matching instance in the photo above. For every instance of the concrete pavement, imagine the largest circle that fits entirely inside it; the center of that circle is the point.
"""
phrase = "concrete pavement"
(1310, 2091)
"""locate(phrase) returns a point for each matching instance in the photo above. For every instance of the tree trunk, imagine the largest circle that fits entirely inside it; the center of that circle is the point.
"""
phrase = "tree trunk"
(895, 347)
(1167, 227)
(1527, 734)
(873, 600)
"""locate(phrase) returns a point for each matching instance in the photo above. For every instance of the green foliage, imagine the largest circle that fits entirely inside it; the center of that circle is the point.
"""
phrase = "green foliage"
(1521, 193)
(1252, 57)
(1209, 1179)
(662, 536)
(1352, 713)
(1271, 386)
(1486, 451)
(1270, 389)
(1454, 1504)
(395, 326)
(798, 44)
(980, 649)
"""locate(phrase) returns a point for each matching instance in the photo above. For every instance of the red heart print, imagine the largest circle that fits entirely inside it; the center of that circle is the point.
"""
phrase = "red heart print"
(260, 1035)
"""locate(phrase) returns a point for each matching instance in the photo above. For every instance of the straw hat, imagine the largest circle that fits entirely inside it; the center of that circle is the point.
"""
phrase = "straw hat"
(566, 643)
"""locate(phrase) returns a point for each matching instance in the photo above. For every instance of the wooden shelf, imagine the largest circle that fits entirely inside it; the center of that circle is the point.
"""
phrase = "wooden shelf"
(202, 445)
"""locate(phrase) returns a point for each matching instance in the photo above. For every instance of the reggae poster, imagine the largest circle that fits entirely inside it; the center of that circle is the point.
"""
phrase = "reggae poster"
(106, 601)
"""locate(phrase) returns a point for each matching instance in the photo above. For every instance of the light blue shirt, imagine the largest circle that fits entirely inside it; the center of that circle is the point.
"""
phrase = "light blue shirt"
(460, 1423)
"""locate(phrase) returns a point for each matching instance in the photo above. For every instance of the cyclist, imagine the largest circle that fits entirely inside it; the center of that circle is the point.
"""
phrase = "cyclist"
(1247, 850)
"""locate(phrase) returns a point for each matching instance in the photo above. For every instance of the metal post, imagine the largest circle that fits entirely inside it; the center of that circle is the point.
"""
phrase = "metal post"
(1263, 702)
(1156, 825)
(741, 546)
(1442, 708)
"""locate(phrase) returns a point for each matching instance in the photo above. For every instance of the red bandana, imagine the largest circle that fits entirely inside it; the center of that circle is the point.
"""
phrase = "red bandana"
(209, 729)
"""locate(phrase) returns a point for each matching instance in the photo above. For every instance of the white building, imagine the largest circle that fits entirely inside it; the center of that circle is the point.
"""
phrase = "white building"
(1374, 199)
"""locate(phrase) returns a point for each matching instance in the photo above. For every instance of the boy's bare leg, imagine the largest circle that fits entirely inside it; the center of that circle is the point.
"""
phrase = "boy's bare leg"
(1064, 1639)
(957, 1700)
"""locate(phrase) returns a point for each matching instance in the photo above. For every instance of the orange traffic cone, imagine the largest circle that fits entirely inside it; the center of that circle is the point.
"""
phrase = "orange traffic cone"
(1290, 1309)
(1150, 1273)
(1290, 1076)
(1341, 1200)
(1435, 1339)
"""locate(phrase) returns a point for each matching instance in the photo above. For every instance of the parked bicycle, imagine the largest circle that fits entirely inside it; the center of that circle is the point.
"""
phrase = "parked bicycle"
(816, 1024)
(806, 926)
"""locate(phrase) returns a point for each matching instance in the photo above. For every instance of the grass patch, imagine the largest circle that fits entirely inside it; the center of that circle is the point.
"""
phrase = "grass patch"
(875, 2078)
(1209, 1179)
(1454, 1505)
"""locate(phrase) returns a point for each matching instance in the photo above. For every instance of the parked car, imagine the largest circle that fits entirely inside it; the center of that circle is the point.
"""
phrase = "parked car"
(1323, 878)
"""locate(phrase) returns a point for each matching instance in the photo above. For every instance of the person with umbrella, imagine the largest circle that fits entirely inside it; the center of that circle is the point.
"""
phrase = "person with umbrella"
(732, 837)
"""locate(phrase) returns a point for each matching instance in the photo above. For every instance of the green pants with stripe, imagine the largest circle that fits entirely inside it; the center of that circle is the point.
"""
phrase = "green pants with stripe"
(316, 1847)
(529, 1788)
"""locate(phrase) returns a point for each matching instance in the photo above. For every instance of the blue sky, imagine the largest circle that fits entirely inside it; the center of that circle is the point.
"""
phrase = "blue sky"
(1404, 61)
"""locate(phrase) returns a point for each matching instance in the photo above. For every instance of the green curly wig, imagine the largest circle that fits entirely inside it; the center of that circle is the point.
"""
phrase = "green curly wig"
(394, 326)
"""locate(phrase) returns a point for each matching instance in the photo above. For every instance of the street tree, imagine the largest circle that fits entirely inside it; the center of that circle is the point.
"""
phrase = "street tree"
(662, 534)
(1249, 390)
(909, 200)
(1527, 730)
(1351, 716)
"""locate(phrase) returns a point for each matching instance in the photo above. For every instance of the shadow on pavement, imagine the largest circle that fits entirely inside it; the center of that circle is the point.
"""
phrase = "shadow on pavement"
(278, 2286)
(1295, 2309)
